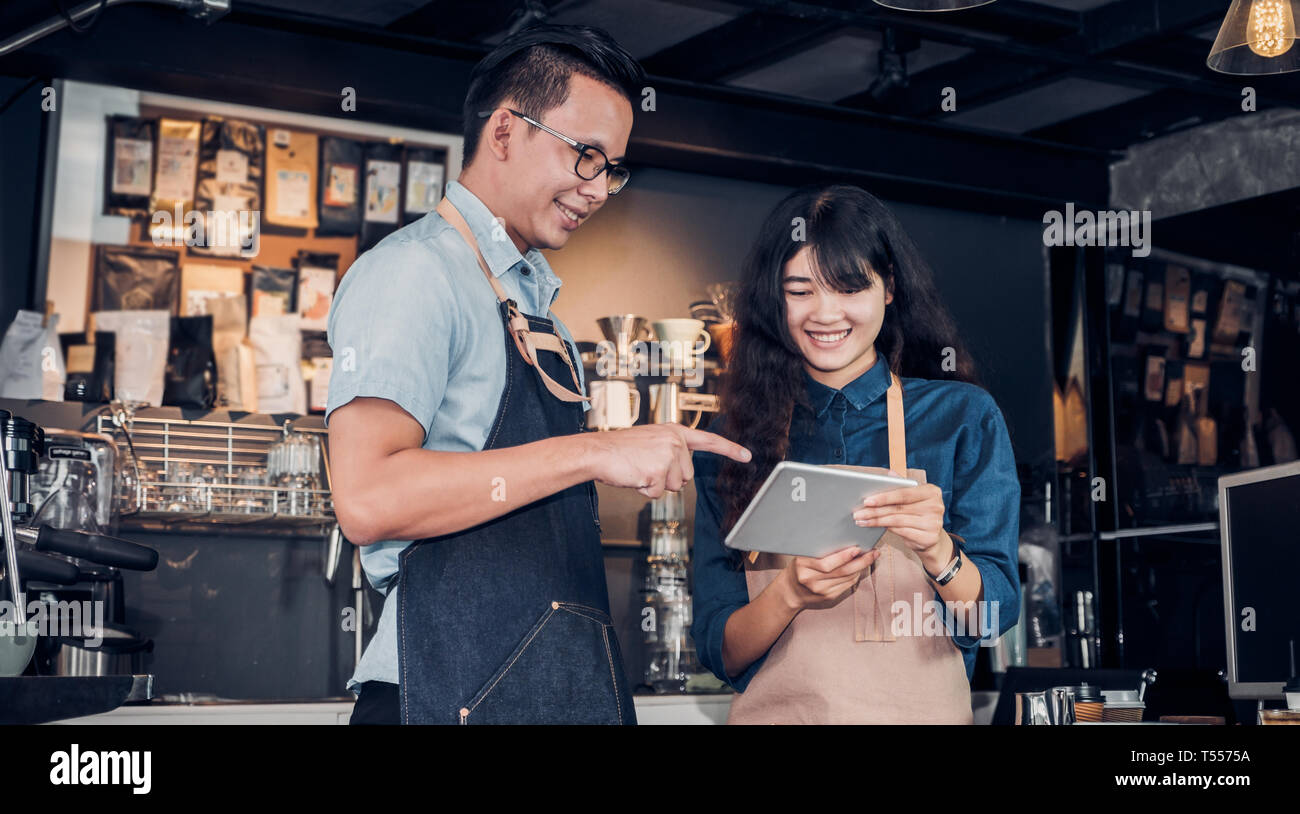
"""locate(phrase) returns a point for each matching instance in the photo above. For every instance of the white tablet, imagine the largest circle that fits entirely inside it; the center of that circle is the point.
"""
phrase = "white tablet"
(807, 511)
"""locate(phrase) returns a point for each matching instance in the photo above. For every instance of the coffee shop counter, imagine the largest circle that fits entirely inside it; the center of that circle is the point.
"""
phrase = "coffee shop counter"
(650, 710)
(206, 607)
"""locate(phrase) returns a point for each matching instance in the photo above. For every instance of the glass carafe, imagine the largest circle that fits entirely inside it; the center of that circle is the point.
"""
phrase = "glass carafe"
(666, 612)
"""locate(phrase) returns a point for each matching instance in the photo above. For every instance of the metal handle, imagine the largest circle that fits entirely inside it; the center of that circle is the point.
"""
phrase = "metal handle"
(11, 553)
(45, 568)
(98, 548)
(358, 593)
(1148, 678)
(333, 550)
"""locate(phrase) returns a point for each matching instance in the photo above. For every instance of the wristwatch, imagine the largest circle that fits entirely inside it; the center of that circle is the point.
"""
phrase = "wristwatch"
(950, 571)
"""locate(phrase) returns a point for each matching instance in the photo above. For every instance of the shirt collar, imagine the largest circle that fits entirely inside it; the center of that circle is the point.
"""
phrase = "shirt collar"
(860, 392)
(501, 255)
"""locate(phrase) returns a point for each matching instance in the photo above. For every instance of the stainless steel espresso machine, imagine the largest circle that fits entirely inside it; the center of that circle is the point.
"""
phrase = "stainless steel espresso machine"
(40, 554)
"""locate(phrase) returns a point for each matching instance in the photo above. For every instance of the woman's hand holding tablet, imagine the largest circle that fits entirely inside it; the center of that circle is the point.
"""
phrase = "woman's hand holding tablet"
(915, 514)
(821, 582)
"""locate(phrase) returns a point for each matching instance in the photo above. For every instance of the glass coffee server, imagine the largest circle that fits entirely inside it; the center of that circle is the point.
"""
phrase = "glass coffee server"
(666, 612)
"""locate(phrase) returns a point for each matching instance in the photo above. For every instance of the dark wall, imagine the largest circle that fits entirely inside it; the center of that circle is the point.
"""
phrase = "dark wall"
(655, 248)
(244, 617)
(20, 141)
(990, 271)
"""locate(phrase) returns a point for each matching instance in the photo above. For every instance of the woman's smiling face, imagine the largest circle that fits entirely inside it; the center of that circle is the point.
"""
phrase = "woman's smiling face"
(835, 332)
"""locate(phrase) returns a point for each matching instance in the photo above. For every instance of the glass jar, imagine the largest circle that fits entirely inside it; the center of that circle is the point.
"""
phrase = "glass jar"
(177, 495)
(249, 497)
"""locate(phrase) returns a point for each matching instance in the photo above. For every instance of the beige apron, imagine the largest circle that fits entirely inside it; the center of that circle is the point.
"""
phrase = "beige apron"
(844, 664)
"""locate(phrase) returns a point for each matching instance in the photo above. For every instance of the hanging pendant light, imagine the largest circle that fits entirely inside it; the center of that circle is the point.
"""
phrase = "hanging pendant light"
(1258, 37)
(931, 5)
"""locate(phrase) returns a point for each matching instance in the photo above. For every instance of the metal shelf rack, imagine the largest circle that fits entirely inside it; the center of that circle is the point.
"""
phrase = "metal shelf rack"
(229, 449)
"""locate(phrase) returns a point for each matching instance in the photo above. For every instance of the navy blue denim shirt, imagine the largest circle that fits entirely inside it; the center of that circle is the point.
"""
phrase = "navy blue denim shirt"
(955, 432)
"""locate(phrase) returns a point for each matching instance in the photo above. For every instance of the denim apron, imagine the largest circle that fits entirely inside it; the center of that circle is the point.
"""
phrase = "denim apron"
(508, 622)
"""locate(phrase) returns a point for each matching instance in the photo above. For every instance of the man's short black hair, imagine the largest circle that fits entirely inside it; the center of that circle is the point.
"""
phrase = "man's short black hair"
(533, 68)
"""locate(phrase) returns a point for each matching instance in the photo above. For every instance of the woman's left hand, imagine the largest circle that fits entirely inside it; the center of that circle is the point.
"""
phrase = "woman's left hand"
(914, 513)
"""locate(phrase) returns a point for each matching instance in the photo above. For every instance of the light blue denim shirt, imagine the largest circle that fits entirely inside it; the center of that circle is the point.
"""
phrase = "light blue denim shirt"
(415, 321)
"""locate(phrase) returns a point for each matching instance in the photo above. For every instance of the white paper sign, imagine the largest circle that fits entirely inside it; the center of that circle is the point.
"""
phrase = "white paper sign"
(292, 194)
(140, 351)
(423, 186)
(178, 162)
(132, 160)
(277, 348)
(31, 359)
(232, 167)
(382, 180)
(322, 367)
(341, 187)
(315, 293)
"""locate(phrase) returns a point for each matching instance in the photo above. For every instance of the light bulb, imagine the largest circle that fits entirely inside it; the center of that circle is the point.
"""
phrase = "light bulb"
(1271, 28)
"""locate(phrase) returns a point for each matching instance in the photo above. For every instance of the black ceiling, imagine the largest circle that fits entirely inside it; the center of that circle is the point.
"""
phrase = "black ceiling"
(1046, 91)
(1094, 73)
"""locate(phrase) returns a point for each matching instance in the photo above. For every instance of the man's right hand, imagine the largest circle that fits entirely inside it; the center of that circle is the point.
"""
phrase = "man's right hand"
(653, 458)
(815, 583)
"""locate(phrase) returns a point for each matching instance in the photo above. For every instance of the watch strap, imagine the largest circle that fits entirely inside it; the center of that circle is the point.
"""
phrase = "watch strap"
(950, 570)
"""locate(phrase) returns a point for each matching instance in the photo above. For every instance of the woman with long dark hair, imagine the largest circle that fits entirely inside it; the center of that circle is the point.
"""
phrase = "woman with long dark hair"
(840, 334)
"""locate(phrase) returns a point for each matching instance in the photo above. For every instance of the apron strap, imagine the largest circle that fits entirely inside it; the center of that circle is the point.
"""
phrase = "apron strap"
(897, 443)
(877, 630)
(897, 434)
(526, 340)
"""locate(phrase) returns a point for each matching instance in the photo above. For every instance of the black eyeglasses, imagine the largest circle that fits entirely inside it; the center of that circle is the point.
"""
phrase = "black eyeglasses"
(592, 160)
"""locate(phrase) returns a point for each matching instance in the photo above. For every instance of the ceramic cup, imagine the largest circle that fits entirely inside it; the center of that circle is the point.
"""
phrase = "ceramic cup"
(680, 340)
(615, 404)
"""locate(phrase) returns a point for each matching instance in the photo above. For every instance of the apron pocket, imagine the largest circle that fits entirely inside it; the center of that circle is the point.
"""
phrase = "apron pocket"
(595, 503)
(564, 669)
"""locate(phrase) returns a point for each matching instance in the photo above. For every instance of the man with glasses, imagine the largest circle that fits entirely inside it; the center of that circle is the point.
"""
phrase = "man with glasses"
(591, 160)
(455, 407)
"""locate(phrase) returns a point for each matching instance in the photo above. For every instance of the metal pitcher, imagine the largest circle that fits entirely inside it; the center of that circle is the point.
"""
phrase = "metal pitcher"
(1051, 707)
